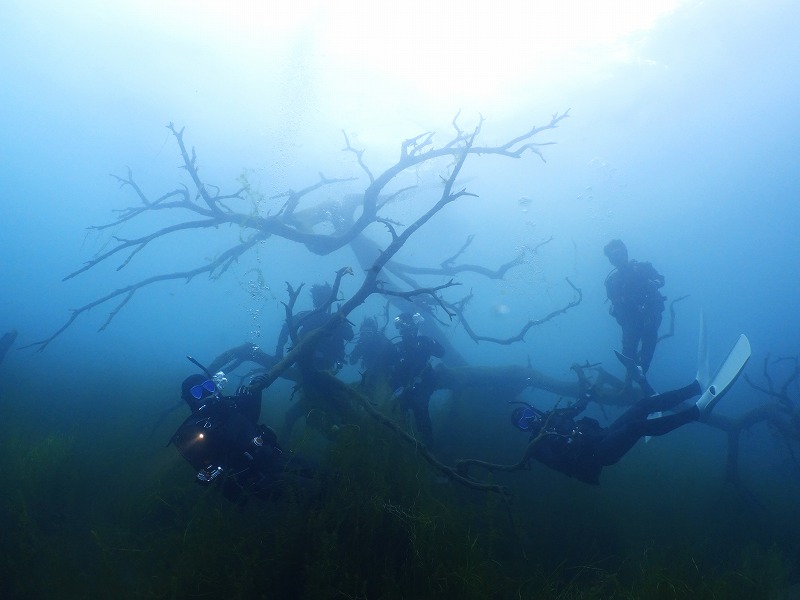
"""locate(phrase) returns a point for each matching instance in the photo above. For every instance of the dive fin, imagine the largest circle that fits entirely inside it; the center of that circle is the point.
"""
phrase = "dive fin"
(703, 372)
(725, 377)
(629, 364)
(635, 372)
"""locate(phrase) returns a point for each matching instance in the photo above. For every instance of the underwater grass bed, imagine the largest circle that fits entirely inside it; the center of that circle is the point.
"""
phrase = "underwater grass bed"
(91, 512)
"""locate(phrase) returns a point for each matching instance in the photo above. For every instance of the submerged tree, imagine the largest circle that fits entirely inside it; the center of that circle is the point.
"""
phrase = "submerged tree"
(330, 225)
(322, 229)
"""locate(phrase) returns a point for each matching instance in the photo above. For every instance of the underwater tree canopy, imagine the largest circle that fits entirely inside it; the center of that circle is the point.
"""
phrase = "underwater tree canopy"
(347, 218)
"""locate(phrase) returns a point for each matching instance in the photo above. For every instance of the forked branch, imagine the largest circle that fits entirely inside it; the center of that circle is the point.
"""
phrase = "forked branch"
(214, 209)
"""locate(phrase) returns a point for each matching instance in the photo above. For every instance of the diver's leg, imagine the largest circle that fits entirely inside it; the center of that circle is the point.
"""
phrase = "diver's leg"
(657, 403)
(620, 438)
(667, 400)
(649, 337)
(624, 432)
(630, 339)
(667, 423)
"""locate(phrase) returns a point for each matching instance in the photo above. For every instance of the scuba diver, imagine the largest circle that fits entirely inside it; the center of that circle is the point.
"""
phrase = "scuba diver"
(374, 351)
(581, 448)
(636, 303)
(226, 445)
(329, 353)
(411, 375)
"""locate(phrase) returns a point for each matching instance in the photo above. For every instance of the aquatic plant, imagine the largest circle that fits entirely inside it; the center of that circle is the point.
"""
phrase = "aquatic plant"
(114, 515)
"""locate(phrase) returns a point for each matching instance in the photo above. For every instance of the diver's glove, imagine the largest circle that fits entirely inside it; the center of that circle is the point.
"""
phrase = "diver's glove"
(245, 392)
(259, 382)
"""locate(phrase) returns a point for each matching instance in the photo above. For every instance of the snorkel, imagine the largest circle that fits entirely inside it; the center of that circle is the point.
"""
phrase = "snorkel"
(202, 368)
(218, 378)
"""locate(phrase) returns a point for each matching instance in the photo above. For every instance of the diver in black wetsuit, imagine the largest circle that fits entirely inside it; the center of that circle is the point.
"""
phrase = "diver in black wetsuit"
(412, 376)
(636, 303)
(373, 348)
(329, 353)
(374, 352)
(581, 448)
(224, 442)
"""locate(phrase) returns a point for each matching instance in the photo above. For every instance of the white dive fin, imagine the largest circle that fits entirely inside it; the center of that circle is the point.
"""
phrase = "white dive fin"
(725, 377)
(703, 372)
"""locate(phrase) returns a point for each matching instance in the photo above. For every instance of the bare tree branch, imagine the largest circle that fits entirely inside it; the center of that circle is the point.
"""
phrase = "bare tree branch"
(294, 197)
(429, 291)
(214, 269)
(671, 330)
(459, 310)
(207, 202)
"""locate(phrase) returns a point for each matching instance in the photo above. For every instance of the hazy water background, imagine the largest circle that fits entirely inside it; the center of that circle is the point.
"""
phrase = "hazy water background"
(682, 140)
